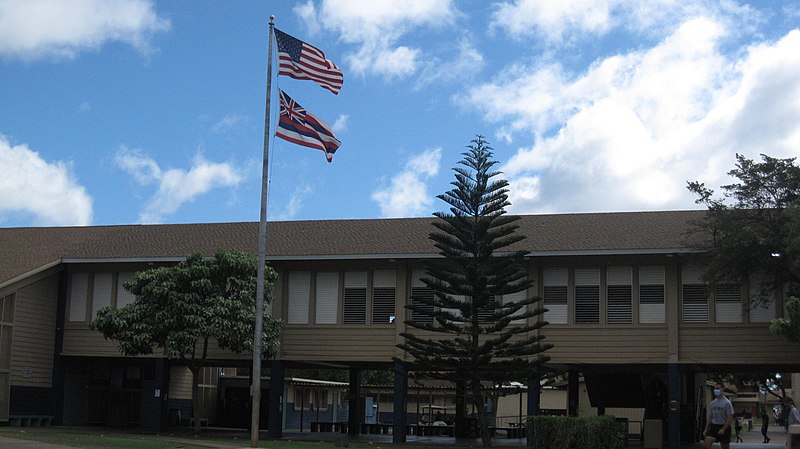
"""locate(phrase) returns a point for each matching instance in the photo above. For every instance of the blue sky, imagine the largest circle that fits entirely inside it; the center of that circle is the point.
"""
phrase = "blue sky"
(134, 111)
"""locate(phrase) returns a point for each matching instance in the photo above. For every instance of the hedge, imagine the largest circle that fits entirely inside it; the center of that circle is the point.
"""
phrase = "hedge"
(561, 432)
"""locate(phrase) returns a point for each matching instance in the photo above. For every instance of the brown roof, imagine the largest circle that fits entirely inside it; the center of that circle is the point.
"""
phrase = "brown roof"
(25, 249)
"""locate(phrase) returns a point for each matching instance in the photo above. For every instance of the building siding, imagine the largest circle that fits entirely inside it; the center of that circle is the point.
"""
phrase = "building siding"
(34, 334)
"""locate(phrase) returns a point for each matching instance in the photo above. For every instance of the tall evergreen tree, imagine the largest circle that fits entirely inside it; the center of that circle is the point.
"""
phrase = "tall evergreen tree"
(477, 337)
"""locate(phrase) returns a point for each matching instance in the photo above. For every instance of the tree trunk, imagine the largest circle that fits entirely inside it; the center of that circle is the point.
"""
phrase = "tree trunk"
(195, 398)
(477, 399)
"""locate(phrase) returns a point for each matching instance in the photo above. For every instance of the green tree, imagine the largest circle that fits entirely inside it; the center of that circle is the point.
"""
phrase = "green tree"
(184, 308)
(478, 338)
(752, 234)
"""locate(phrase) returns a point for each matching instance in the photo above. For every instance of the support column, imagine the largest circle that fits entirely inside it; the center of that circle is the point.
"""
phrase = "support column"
(59, 370)
(160, 411)
(400, 418)
(674, 412)
(275, 418)
(573, 393)
(356, 415)
(460, 430)
(534, 393)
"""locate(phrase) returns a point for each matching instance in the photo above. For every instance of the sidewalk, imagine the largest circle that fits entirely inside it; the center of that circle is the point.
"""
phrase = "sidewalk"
(753, 439)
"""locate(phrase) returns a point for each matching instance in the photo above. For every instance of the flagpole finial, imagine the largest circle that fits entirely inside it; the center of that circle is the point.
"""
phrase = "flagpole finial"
(271, 19)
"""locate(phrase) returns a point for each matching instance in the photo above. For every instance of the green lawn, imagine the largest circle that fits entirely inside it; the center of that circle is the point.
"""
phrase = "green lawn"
(111, 439)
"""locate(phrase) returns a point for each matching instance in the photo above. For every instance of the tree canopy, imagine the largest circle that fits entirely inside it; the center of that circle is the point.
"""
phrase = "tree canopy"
(476, 301)
(184, 308)
(752, 234)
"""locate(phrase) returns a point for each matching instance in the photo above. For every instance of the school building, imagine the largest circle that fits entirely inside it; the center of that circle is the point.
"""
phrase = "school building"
(628, 313)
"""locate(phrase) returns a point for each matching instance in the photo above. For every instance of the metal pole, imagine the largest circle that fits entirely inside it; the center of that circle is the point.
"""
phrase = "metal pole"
(255, 388)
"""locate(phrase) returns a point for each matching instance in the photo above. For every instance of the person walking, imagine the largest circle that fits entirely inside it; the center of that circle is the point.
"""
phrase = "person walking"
(718, 425)
(738, 428)
(794, 414)
(764, 424)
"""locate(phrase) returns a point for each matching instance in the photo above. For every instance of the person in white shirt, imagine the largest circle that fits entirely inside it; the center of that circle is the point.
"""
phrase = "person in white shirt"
(718, 424)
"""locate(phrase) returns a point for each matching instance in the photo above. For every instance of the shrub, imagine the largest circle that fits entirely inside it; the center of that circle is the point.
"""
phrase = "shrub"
(561, 432)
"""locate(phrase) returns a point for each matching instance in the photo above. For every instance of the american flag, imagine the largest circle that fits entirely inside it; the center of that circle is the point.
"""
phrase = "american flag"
(297, 125)
(306, 62)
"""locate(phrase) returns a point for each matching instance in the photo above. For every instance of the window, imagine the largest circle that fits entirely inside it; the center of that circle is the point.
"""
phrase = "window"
(327, 311)
(310, 398)
(101, 291)
(420, 290)
(587, 295)
(355, 297)
(124, 297)
(694, 294)
(554, 284)
(651, 295)
(514, 297)
(299, 292)
(78, 296)
(384, 284)
(762, 305)
(619, 294)
(486, 310)
(728, 303)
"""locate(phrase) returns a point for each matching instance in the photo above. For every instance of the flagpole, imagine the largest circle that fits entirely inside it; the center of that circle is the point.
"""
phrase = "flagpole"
(255, 388)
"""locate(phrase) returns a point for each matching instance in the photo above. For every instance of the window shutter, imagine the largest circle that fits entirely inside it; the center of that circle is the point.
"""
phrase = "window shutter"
(78, 295)
(124, 297)
(419, 290)
(101, 292)
(694, 294)
(327, 298)
(619, 292)
(651, 295)
(587, 295)
(764, 310)
(299, 293)
(514, 297)
(486, 310)
(728, 303)
(384, 287)
(554, 285)
(355, 297)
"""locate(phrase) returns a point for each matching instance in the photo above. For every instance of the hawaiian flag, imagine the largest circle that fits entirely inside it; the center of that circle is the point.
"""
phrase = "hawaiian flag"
(297, 125)
(302, 61)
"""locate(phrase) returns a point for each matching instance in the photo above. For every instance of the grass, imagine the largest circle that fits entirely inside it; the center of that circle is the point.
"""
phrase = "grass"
(115, 439)
(95, 438)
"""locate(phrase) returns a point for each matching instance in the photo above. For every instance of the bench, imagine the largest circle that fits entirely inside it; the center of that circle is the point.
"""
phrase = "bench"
(30, 420)
(511, 432)
(328, 426)
(189, 422)
(376, 428)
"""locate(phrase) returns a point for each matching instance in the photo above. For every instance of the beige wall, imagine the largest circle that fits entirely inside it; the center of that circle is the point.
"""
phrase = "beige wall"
(671, 341)
(34, 334)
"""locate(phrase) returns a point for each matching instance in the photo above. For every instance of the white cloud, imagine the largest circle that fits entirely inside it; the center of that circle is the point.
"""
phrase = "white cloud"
(376, 27)
(340, 125)
(468, 62)
(36, 29)
(295, 204)
(407, 194)
(227, 123)
(175, 186)
(633, 128)
(46, 190)
(566, 19)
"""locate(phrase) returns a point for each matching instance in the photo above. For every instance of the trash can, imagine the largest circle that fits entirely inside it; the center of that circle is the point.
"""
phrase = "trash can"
(653, 433)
